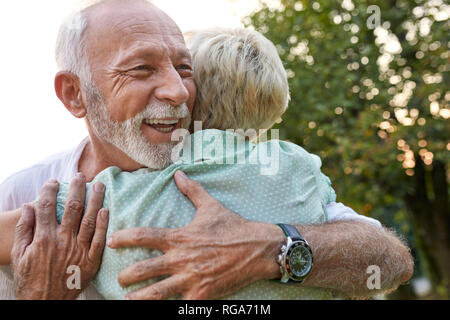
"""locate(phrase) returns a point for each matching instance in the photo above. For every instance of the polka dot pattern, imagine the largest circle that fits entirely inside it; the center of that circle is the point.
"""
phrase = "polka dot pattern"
(293, 191)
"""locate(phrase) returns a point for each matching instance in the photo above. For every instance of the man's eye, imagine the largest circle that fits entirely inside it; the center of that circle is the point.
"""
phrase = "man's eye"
(142, 68)
(185, 69)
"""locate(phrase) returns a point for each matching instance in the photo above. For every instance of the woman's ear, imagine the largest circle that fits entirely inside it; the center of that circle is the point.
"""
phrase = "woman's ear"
(68, 90)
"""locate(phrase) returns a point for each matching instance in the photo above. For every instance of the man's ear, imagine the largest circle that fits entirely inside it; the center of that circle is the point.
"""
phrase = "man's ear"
(68, 90)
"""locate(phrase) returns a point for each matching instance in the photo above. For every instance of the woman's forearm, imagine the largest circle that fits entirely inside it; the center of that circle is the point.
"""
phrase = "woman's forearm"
(8, 221)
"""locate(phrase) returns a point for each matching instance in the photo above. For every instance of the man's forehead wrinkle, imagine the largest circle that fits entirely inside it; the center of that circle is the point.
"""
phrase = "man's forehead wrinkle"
(149, 49)
(137, 38)
(145, 26)
(120, 34)
(133, 23)
(134, 36)
(139, 49)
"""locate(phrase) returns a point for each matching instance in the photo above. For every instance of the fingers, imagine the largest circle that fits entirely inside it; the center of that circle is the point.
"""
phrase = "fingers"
(155, 238)
(144, 270)
(74, 206)
(24, 229)
(89, 220)
(160, 290)
(192, 189)
(99, 239)
(45, 211)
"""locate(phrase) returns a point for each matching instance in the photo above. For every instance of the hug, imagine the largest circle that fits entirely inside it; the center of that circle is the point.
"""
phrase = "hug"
(142, 225)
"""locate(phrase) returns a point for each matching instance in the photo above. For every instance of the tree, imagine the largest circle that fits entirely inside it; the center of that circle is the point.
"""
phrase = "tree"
(370, 94)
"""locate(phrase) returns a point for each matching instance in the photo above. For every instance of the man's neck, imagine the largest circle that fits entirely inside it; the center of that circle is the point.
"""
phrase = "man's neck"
(98, 155)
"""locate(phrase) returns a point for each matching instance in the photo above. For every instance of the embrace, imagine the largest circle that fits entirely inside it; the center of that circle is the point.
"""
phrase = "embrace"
(143, 217)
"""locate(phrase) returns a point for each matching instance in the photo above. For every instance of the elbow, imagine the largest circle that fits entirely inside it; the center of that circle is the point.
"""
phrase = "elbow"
(408, 266)
(394, 259)
(399, 265)
(395, 271)
(403, 258)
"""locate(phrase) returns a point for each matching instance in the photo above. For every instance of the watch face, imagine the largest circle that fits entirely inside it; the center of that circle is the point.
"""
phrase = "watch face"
(300, 260)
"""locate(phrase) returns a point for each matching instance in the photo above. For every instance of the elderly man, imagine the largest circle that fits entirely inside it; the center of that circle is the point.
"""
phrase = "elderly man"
(130, 56)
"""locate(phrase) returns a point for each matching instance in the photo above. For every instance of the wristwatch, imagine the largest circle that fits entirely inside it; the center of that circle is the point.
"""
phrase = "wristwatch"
(296, 258)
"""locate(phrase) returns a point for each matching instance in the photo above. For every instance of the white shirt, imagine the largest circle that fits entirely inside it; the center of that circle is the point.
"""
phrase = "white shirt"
(24, 187)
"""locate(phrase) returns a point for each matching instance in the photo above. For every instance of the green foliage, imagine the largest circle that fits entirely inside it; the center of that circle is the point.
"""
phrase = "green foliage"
(360, 117)
(370, 101)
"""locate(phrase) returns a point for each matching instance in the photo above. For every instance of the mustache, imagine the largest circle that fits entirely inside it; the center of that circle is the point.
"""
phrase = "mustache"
(162, 111)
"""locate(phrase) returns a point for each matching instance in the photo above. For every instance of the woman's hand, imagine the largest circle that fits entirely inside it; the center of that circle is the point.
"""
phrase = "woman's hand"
(52, 261)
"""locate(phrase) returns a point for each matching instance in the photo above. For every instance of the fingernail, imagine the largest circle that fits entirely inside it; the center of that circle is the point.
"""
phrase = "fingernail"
(181, 175)
(52, 181)
(99, 187)
(79, 175)
(109, 242)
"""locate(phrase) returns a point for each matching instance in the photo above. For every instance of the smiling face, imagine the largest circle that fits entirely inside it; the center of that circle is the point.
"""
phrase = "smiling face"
(141, 68)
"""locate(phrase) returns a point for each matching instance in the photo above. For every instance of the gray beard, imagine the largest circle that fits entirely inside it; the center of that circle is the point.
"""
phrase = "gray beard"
(127, 136)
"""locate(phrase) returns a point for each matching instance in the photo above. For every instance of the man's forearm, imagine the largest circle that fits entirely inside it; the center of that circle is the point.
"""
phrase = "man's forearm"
(219, 253)
(344, 250)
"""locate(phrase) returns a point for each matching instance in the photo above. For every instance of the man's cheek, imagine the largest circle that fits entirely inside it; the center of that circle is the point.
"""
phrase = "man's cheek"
(125, 108)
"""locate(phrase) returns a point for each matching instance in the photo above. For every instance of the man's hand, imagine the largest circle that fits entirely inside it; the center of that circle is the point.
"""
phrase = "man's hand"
(218, 253)
(41, 258)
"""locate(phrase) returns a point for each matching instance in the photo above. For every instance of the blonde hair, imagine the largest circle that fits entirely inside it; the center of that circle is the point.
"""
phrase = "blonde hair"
(240, 79)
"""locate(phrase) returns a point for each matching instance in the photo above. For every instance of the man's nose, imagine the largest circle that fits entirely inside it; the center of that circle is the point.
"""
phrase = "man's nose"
(171, 88)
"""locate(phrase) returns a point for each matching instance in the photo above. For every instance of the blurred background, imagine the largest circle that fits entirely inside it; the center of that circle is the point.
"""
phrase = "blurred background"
(370, 94)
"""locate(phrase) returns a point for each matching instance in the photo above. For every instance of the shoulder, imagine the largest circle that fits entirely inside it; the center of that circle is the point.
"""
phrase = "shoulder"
(19, 188)
(291, 152)
(24, 185)
(308, 165)
(286, 147)
(296, 153)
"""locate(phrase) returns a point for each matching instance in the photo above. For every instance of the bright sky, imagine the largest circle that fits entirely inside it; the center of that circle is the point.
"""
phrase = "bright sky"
(33, 122)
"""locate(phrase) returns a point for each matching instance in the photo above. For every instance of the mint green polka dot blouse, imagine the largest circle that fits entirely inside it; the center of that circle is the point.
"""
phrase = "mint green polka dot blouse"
(273, 182)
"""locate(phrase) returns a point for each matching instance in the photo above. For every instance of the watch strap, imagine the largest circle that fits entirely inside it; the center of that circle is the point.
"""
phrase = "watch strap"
(291, 231)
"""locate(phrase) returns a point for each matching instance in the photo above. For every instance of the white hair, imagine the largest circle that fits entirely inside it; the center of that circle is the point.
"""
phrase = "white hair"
(71, 45)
